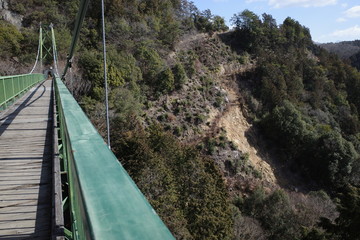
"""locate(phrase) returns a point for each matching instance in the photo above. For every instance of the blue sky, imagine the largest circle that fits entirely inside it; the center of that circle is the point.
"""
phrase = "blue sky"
(328, 20)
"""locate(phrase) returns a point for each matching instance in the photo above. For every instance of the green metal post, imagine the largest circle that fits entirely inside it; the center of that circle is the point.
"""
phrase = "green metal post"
(4, 92)
(13, 87)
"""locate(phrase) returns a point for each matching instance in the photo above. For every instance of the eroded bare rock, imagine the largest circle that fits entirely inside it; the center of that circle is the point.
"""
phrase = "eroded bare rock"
(7, 15)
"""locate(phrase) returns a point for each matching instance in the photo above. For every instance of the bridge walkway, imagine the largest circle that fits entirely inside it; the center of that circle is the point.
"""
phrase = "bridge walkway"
(26, 166)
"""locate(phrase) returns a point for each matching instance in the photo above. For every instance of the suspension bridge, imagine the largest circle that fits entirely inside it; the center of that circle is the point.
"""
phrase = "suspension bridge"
(58, 177)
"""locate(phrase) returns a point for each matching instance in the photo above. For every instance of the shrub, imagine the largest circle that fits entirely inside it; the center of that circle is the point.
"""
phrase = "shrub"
(165, 81)
(10, 39)
(179, 75)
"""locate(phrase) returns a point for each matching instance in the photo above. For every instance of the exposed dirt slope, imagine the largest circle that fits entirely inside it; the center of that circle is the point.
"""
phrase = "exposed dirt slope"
(238, 130)
(208, 108)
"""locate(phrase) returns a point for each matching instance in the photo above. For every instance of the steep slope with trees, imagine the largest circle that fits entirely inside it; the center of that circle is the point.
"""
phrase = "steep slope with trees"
(306, 102)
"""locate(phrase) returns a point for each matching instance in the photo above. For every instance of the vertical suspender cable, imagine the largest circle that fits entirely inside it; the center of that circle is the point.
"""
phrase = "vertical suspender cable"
(38, 52)
(105, 74)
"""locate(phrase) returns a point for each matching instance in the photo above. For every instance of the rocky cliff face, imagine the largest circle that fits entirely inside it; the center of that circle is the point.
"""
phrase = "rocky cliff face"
(7, 15)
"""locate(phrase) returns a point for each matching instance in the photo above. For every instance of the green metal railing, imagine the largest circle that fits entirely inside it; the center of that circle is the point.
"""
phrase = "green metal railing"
(102, 199)
(13, 86)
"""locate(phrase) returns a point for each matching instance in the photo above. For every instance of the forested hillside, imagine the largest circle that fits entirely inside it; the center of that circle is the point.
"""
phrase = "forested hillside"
(348, 50)
(251, 133)
(343, 49)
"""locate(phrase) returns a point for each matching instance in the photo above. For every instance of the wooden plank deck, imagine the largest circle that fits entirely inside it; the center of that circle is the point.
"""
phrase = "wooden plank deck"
(26, 166)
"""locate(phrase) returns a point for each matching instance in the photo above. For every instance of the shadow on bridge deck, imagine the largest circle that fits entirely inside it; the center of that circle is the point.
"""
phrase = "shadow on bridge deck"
(26, 166)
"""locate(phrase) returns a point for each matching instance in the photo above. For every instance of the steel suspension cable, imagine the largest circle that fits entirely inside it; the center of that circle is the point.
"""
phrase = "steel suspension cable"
(105, 74)
(38, 51)
(41, 49)
(79, 20)
(76, 33)
(55, 54)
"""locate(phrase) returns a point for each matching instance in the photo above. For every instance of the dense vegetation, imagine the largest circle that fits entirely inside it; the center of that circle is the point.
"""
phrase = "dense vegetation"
(185, 187)
(307, 103)
(303, 100)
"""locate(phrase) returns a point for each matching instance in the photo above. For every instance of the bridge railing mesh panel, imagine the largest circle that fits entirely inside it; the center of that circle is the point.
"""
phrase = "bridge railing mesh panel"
(13, 86)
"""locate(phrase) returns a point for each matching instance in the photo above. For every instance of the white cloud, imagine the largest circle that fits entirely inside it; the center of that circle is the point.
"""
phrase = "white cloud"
(341, 19)
(352, 32)
(301, 3)
(348, 34)
(353, 12)
(344, 5)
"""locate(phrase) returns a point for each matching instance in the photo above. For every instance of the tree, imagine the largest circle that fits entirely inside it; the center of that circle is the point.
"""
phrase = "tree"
(166, 81)
(246, 20)
(269, 21)
(203, 21)
(347, 224)
(285, 124)
(219, 24)
(248, 28)
(150, 64)
(294, 33)
(274, 212)
(114, 77)
(179, 75)
(333, 158)
(349, 220)
(207, 22)
(92, 66)
(124, 104)
(270, 29)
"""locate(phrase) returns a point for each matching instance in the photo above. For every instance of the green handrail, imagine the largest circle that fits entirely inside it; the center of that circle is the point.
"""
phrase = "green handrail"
(13, 86)
(104, 201)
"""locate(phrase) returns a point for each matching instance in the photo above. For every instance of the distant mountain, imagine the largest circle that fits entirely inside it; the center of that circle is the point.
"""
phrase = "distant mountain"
(348, 50)
(344, 49)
